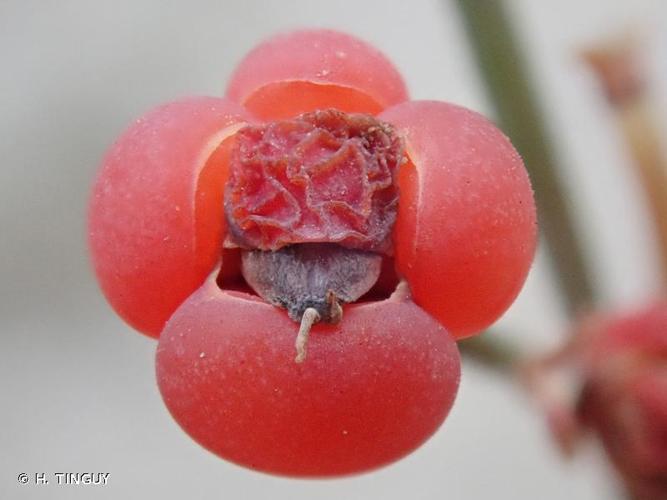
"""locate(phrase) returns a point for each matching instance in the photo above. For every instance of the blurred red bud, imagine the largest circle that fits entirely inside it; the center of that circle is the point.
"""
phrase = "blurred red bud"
(624, 396)
(611, 380)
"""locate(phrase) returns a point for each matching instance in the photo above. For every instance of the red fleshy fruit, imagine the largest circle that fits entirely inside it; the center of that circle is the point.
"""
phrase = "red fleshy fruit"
(316, 184)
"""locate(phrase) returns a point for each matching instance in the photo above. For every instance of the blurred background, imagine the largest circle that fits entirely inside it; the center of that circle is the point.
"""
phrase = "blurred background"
(78, 386)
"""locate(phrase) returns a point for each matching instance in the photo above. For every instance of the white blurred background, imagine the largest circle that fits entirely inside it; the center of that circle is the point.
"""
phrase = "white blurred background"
(77, 385)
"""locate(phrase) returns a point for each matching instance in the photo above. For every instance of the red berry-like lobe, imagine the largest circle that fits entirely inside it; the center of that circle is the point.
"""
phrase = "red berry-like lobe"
(309, 70)
(325, 176)
(374, 387)
(465, 233)
(155, 222)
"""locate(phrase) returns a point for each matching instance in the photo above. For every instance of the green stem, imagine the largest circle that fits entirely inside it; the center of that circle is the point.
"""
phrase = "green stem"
(508, 83)
(489, 350)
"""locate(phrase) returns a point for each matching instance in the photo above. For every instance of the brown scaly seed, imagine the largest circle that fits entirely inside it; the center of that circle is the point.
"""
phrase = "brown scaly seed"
(312, 202)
